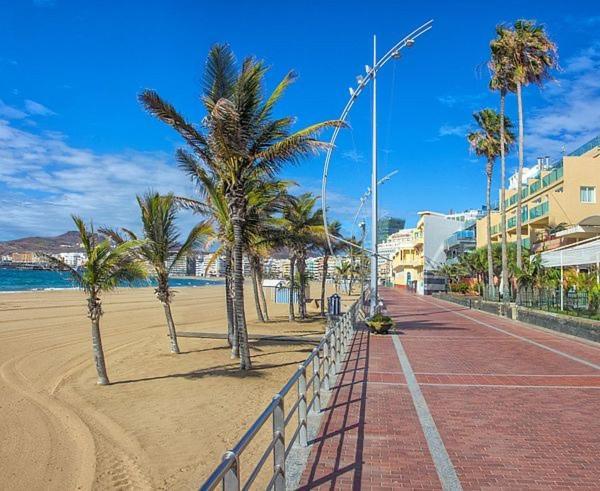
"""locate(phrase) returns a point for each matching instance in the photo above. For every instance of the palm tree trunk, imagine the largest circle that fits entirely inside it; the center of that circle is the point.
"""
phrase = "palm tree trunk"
(324, 283)
(488, 192)
(238, 288)
(520, 175)
(231, 334)
(95, 312)
(261, 290)
(171, 324)
(302, 287)
(254, 275)
(291, 315)
(505, 293)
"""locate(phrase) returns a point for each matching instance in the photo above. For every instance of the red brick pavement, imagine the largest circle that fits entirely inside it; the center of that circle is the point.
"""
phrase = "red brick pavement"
(511, 414)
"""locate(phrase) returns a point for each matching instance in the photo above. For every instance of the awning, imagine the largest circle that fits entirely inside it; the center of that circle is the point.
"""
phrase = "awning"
(582, 254)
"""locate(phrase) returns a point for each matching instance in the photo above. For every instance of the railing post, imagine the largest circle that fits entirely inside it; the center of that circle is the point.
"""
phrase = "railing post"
(302, 405)
(279, 448)
(334, 347)
(338, 348)
(326, 363)
(231, 480)
(317, 380)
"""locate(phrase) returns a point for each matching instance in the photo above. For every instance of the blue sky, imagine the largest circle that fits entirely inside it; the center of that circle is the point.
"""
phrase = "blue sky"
(73, 137)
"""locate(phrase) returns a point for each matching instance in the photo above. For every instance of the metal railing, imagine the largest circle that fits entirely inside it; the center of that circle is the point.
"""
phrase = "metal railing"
(323, 364)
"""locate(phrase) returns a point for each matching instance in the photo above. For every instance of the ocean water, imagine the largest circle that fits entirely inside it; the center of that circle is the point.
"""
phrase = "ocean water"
(16, 280)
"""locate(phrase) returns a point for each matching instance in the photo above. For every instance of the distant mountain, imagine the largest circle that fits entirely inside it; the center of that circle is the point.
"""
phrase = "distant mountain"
(67, 242)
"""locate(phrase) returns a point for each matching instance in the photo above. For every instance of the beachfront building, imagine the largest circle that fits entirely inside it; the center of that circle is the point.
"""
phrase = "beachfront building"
(387, 226)
(208, 266)
(559, 201)
(24, 257)
(73, 259)
(416, 265)
(388, 248)
(460, 242)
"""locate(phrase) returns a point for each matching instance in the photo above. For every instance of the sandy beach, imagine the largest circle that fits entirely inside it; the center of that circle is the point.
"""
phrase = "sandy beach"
(166, 419)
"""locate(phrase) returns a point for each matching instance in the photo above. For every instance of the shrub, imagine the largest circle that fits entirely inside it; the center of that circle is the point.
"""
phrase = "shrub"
(461, 287)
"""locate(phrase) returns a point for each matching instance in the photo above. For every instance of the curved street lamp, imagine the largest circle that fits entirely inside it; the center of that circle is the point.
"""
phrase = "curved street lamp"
(393, 53)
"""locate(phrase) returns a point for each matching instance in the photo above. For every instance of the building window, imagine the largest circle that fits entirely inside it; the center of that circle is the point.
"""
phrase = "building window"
(587, 194)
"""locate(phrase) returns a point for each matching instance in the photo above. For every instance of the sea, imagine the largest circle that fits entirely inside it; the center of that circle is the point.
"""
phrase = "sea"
(20, 280)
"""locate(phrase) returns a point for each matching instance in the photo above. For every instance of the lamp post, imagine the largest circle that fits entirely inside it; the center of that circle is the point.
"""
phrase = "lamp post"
(393, 53)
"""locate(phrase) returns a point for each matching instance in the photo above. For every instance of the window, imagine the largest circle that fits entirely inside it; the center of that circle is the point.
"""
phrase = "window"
(587, 194)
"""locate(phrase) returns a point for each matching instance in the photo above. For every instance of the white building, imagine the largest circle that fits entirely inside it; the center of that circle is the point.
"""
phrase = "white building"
(206, 266)
(402, 239)
(73, 259)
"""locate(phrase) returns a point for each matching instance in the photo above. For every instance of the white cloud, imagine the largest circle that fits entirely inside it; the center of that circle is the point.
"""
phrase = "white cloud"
(456, 130)
(570, 116)
(10, 112)
(37, 109)
(44, 180)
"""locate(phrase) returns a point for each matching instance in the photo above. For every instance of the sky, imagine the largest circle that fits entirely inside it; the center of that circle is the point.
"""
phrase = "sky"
(74, 139)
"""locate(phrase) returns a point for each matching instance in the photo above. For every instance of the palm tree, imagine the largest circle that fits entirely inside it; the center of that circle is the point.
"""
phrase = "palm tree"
(303, 227)
(503, 81)
(531, 55)
(485, 142)
(105, 269)
(335, 230)
(240, 141)
(343, 270)
(161, 248)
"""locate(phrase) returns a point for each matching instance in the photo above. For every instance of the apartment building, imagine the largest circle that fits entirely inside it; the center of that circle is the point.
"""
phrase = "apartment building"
(388, 248)
(73, 259)
(562, 195)
(416, 265)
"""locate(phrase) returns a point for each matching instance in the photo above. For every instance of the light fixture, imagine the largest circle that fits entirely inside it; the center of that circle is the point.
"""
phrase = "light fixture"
(359, 79)
(396, 54)
(410, 43)
(352, 92)
(367, 69)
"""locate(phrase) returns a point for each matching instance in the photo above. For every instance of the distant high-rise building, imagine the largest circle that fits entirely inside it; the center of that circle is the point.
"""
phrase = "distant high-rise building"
(388, 226)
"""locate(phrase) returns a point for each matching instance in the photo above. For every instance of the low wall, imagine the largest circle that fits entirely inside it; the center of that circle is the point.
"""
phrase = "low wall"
(575, 326)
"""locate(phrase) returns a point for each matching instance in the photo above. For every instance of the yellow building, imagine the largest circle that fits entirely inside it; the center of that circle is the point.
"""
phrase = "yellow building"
(417, 263)
(407, 262)
(563, 194)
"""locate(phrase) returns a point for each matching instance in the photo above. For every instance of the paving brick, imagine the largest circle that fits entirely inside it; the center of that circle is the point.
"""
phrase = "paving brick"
(511, 415)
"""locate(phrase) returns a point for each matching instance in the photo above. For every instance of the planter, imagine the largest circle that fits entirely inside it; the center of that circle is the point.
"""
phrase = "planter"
(379, 327)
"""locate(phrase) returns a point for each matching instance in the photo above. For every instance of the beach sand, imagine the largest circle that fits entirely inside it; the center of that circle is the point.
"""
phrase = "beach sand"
(165, 421)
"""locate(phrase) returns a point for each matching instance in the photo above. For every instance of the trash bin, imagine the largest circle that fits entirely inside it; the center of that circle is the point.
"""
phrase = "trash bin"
(334, 304)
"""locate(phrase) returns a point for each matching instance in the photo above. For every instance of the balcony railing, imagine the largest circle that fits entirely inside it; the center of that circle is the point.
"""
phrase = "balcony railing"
(512, 222)
(549, 179)
(458, 237)
(534, 213)
(539, 211)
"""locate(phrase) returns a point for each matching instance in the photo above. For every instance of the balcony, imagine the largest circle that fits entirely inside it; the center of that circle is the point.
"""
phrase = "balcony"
(539, 211)
(459, 237)
(512, 222)
(546, 181)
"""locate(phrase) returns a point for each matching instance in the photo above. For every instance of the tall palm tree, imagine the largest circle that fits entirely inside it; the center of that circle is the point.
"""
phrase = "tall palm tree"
(503, 81)
(532, 55)
(335, 229)
(161, 247)
(240, 141)
(106, 268)
(485, 142)
(303, 227)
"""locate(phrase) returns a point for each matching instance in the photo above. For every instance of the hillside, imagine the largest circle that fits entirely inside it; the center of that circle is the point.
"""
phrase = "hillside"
(67, 242)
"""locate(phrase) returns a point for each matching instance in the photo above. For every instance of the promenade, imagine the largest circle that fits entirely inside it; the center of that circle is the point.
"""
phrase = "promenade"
(460, 399)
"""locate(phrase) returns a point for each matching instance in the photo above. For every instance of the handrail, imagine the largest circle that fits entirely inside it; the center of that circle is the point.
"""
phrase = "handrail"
(324, 362)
